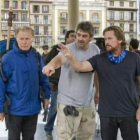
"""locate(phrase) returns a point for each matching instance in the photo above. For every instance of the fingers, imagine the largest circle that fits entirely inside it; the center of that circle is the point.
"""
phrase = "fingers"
(48, 70)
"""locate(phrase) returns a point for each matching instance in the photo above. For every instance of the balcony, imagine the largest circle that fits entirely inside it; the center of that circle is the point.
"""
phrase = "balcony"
(41, 33)
(96, 21)
(16, 20)
(23, 9)
(63, 20)
(4, 26)
(41, 21)
(119, 19)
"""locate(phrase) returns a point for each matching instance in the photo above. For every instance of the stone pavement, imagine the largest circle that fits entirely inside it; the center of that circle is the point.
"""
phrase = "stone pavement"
(40, 134)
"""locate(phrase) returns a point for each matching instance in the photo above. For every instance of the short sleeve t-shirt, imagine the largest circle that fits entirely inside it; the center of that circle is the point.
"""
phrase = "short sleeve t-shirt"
(118, 94)
(75, 88)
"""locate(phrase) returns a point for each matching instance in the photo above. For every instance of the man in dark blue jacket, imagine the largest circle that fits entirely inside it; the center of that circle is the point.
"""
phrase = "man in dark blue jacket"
(22, 68)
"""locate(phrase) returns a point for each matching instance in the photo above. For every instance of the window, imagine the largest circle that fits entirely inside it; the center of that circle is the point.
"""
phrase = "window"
(121, 4)
(46, 32)
(23, 5)
(63, 30)
(122, 15)
(36, 19)
(131, 27)
(37, 40)
(122, 26)
(36, 30)
(15, 4)
(23, 17)
(80, 17)
(131, 36)
(131, 4)
(95, 17)
(6, 16)
(64, 15)
(131, 16)
(6, 4)
(111, 15)
(15, 17)
(96, 31)
(45, 19)
(111, 3)
(35, 9)
(45, 9)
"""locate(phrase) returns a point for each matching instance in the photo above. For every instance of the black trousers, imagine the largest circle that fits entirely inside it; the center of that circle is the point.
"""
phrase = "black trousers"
(25, 125)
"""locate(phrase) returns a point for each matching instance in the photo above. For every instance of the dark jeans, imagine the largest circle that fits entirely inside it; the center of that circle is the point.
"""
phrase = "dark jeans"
(22, 124)
(52, 113)
(128, 127)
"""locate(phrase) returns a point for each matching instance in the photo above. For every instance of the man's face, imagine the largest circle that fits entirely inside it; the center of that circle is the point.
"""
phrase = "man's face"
(71, 38)
(82, 39)
(112, 44)
(24, 40)
(45, 50)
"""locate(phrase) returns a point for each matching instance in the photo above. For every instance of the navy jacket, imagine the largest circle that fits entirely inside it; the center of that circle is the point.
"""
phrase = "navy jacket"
(22, 86)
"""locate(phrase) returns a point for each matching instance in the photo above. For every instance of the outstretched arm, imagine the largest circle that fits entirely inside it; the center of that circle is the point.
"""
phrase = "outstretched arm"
(83, 66)
(55, 63)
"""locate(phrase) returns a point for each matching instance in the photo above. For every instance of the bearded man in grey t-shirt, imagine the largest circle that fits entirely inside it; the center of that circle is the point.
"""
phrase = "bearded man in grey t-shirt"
(75, 109)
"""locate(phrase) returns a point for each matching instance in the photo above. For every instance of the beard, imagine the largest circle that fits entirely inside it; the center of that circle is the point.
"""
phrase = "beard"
(111, 49)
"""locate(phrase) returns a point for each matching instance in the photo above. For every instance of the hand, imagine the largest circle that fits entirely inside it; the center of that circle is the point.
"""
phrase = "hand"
(96, 98)
(1, 117)
(46, 103)
(138, 114)
(63, 49)
(48, 70)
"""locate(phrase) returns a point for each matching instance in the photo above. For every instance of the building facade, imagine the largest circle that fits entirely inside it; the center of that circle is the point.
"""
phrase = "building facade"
(20, 15)
(89, 10)
(41, 21)
(49, 18)
(124, 14)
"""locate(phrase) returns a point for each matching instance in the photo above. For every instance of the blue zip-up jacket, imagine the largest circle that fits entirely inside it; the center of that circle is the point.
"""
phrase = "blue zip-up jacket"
(23, 77)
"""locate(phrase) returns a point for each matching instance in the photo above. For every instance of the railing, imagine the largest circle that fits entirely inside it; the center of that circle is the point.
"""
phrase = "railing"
(63, 20)
(40, 21)
(96, 21)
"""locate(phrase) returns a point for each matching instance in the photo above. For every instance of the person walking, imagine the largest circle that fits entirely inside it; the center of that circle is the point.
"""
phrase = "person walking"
(23, 73)
(54, 79)
(119, 81)
(133, 45)
(75, 107)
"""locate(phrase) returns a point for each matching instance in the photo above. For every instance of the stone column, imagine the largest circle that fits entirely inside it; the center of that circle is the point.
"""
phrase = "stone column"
(73, 14)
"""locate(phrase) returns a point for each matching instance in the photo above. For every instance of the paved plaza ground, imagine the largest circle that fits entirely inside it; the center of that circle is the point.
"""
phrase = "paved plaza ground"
(40, 134)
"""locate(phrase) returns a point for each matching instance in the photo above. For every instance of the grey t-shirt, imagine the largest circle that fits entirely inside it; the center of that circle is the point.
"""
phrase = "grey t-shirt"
(75, 88)
(117, 84)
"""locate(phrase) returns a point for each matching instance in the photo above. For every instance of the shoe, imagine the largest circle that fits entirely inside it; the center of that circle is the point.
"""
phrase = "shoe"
(49, 136)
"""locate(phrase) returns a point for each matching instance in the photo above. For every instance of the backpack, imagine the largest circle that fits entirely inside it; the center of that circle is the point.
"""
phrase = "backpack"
(2, 52)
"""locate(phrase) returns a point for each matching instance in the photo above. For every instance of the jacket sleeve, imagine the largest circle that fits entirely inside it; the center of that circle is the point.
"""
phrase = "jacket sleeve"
(7, 71)
(43, 79)
(2, 94)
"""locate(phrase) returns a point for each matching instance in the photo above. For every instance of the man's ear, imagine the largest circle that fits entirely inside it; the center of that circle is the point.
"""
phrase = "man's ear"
(120, 41)
(91, 38)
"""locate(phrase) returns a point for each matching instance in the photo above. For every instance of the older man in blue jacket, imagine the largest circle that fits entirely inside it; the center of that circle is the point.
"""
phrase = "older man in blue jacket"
(21, 68)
